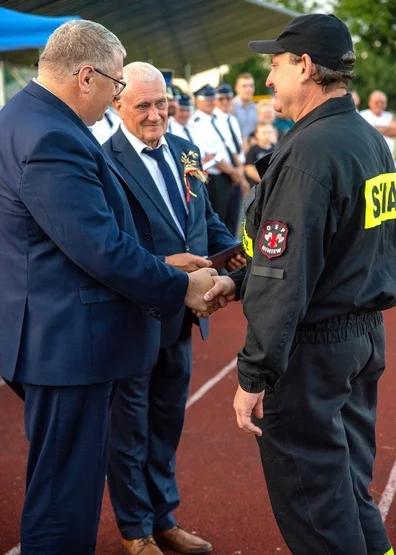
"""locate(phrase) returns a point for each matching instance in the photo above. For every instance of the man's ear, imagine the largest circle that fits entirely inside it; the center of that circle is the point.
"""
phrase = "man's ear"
(307, 68)
(117, 105)
(85, 77)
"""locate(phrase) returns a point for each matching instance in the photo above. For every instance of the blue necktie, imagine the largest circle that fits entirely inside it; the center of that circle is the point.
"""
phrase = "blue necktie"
(171, 184)
(233, 135)
(187, 132)
(232, 161)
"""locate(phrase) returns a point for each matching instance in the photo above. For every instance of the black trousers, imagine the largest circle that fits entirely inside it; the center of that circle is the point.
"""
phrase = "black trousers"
(225, 199)
(318, 442)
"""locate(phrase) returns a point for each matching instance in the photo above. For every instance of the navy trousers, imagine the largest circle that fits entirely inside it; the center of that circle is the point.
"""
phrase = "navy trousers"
(146, 425)
(67, 429)
(318, 442)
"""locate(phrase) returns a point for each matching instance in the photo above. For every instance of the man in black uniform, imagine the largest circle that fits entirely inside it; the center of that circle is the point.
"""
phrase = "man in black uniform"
(321, 239)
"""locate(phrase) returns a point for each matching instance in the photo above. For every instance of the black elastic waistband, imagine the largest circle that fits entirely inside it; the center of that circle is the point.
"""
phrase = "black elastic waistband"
(341, 328)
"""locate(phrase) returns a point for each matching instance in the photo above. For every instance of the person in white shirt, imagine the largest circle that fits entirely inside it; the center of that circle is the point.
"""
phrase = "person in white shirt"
(379, 117)
(106, 127)
(178, 123)
(231, 131)
(229, 123)
(224, 175)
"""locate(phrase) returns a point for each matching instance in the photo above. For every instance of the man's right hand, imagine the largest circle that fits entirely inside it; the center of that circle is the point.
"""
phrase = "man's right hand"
(187, 262)
(223, 286)
(222, 293)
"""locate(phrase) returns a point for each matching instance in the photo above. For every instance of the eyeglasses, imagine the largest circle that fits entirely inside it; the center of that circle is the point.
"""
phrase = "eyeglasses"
(120, 85)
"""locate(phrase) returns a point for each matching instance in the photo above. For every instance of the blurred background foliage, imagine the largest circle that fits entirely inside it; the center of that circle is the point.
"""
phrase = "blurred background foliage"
(373, 27)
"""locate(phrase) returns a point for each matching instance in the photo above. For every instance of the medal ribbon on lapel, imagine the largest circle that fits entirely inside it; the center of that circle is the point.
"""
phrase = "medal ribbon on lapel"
(189, 162)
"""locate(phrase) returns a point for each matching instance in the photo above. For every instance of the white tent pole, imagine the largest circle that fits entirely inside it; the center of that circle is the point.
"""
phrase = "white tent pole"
(187, 76)
(2, 85)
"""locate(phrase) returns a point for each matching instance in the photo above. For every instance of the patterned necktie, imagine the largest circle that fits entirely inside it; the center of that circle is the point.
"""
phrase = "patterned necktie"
(234, 137)
(171, 185)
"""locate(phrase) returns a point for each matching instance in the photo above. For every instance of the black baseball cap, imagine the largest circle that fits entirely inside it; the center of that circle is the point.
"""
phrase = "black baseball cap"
(325, 38)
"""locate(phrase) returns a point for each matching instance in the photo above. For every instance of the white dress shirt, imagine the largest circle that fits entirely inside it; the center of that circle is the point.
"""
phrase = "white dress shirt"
(104, 128)
(178, 129)
(226, 120)
(207, 139)
(41, 85)
(155, 172)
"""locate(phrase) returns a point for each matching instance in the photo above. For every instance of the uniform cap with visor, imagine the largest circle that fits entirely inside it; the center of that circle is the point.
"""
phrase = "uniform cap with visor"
(325, 38)
(185, 102)
(205, 93)
(224, 90)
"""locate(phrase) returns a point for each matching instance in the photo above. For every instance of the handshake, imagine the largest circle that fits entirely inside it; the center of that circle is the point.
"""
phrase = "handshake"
(207, 291)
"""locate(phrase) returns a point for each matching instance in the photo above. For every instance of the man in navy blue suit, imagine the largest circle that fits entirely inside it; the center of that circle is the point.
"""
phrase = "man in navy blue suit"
(148, 410)
(81, 300)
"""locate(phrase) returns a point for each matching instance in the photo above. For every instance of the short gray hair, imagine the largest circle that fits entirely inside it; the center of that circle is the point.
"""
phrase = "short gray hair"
(142, 72)
(78, 42)
(330, 79)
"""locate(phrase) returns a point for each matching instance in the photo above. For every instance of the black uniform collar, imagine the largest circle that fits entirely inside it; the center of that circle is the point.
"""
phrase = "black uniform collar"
(331, 107)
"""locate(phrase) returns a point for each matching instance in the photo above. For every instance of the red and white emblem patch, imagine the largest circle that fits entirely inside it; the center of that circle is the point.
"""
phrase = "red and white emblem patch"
(272, 242)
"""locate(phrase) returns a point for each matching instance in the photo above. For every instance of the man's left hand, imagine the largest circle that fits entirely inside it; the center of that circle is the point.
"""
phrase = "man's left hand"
(246, 404)
(236, 262)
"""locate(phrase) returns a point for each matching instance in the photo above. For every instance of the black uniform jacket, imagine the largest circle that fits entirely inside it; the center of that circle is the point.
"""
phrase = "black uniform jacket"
(320, 234)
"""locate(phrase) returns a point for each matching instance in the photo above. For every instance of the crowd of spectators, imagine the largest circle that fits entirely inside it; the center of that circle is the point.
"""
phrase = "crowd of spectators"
(254, 128)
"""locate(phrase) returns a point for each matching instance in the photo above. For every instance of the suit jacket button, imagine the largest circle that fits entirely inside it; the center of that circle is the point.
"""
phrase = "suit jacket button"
(187, 248)
(147, 236)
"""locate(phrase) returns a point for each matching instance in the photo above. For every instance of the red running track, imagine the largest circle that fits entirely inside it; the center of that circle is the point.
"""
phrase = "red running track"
(224, 498)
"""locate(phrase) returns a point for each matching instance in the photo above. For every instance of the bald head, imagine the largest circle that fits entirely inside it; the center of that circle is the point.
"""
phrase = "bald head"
(377, 102)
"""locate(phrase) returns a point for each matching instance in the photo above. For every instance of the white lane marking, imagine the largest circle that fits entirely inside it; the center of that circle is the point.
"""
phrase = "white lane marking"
(193, 399)
(15, 550)
(211, 383)
(386, 498)
(388, 494)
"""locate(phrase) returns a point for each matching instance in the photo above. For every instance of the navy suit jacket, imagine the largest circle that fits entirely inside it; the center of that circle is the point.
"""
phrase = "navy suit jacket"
(206, 234)
(80, 299)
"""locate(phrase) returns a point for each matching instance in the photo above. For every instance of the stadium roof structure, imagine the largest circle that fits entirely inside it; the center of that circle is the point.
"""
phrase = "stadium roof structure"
(188, 36)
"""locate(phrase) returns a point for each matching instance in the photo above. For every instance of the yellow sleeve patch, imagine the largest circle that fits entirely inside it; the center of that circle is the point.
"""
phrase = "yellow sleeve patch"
(380, 196)
(390, 552)
(247, 242)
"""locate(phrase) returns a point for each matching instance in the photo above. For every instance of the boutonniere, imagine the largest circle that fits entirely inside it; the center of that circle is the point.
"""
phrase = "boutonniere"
(189, 162)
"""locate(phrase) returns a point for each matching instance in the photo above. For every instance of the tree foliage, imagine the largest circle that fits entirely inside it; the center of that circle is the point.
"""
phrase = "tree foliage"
(373, 27)
(257, 66)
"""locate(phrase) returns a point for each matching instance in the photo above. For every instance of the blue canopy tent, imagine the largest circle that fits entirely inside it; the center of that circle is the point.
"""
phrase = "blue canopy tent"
(21, 34)
(22, 31)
